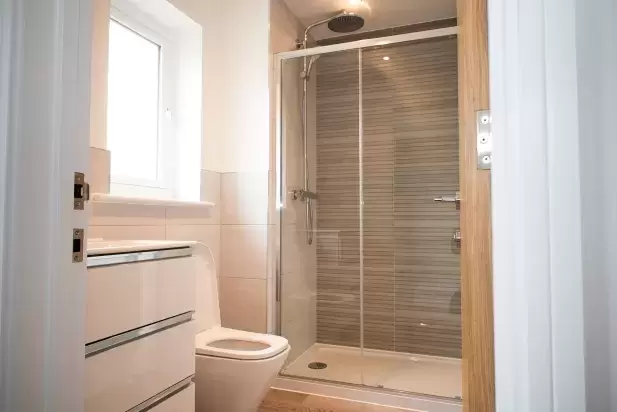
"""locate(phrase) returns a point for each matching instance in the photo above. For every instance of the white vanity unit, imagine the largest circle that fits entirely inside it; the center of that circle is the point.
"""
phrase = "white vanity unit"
(140, 336)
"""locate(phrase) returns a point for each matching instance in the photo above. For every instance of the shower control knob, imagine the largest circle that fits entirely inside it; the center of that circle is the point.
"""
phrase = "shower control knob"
(456, 236)
(449, 199)
(303, 195)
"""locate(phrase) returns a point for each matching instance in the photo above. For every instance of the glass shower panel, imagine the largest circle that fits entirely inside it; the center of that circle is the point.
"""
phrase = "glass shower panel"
(320, 241)
(412, 308)
(370, 277)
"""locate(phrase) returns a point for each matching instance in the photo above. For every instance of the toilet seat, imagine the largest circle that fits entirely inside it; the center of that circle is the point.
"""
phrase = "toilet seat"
(258, 346)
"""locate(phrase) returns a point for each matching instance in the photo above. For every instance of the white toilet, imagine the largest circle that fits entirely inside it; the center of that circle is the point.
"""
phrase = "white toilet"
(234, 369)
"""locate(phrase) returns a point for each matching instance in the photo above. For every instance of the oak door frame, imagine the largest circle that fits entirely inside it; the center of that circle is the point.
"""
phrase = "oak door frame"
(475, 213)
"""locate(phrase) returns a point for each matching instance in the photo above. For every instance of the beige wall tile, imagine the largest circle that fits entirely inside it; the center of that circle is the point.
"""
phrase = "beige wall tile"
(244, 251)
(244, 198)
(243, 304)
(210, 186)
(207, 234)
(99, 170)
(116, 214)
(211, 191)
(190, 215)
(127, 232)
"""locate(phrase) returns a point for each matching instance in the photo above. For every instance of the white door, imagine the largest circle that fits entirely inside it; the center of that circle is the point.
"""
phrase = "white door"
(45, 52)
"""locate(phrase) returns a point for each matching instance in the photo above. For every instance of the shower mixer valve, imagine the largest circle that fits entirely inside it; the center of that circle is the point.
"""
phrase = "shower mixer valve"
(302, 195)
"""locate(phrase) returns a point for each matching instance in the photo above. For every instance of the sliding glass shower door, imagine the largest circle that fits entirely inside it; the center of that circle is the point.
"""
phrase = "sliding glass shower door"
(374, 300)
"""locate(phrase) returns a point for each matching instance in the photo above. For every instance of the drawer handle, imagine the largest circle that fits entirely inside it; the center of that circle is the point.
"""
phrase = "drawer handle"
(103, 345)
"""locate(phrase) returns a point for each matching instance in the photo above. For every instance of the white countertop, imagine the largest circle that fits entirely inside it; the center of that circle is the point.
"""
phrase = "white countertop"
(99, 246)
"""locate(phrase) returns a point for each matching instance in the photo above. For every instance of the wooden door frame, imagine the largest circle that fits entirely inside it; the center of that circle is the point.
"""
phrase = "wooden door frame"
(475, 214)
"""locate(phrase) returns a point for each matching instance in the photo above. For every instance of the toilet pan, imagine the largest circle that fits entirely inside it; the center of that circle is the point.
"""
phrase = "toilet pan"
(235, 369)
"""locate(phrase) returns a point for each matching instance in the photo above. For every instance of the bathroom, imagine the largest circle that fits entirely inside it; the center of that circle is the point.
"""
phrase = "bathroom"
(285, 206)
(301, 208)
(395, 327)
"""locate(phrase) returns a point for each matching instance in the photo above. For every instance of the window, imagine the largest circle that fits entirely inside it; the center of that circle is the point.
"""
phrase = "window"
(154, 101)
(140, 132)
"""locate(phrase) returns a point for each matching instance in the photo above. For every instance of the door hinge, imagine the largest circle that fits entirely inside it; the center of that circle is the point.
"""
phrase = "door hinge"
(484, 139)
(78, 245)
(81, 191)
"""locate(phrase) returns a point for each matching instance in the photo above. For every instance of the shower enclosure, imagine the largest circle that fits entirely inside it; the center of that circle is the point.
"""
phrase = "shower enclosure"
(368, 281)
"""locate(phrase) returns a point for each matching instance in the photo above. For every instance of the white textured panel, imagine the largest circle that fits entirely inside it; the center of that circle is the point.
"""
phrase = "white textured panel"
(125, 297)
(123, 377)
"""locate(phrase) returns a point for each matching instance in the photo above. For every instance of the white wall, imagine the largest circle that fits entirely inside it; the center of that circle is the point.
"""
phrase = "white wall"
(236, 62)
(236, 143)
(98, 68)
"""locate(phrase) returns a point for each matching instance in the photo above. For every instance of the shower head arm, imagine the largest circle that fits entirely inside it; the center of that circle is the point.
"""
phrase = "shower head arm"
(319, 23)
(311, 27)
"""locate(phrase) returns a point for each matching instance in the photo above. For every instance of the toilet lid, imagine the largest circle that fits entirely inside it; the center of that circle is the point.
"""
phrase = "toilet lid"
(237, 344)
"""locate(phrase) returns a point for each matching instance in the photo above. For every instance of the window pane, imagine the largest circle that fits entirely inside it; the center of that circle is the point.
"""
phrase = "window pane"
(133, 104)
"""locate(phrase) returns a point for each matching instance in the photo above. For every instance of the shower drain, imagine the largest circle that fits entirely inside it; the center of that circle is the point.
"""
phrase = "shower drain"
(317, 365)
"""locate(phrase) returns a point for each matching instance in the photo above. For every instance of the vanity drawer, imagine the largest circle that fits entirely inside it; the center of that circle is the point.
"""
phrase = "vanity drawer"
(123, 377)
(183, 401)
(131, 295)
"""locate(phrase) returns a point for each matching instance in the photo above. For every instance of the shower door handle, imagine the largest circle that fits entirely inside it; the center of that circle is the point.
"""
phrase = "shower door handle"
(449, 199)
(456, 236)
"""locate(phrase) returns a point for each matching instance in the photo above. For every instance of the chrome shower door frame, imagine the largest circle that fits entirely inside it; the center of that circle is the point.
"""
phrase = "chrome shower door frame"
(281, 186)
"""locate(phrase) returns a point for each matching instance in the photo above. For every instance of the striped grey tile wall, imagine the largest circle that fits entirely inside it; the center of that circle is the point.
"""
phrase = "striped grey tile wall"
(411, 267)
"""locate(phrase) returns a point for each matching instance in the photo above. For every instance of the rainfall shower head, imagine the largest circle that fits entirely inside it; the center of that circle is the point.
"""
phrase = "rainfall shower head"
(343, 22)
(346, 22)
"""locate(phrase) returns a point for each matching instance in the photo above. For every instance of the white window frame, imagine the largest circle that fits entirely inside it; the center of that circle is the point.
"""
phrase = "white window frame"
(164, 186)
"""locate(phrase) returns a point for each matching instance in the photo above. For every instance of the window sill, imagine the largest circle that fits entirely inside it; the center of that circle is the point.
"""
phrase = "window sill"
(144, 201)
